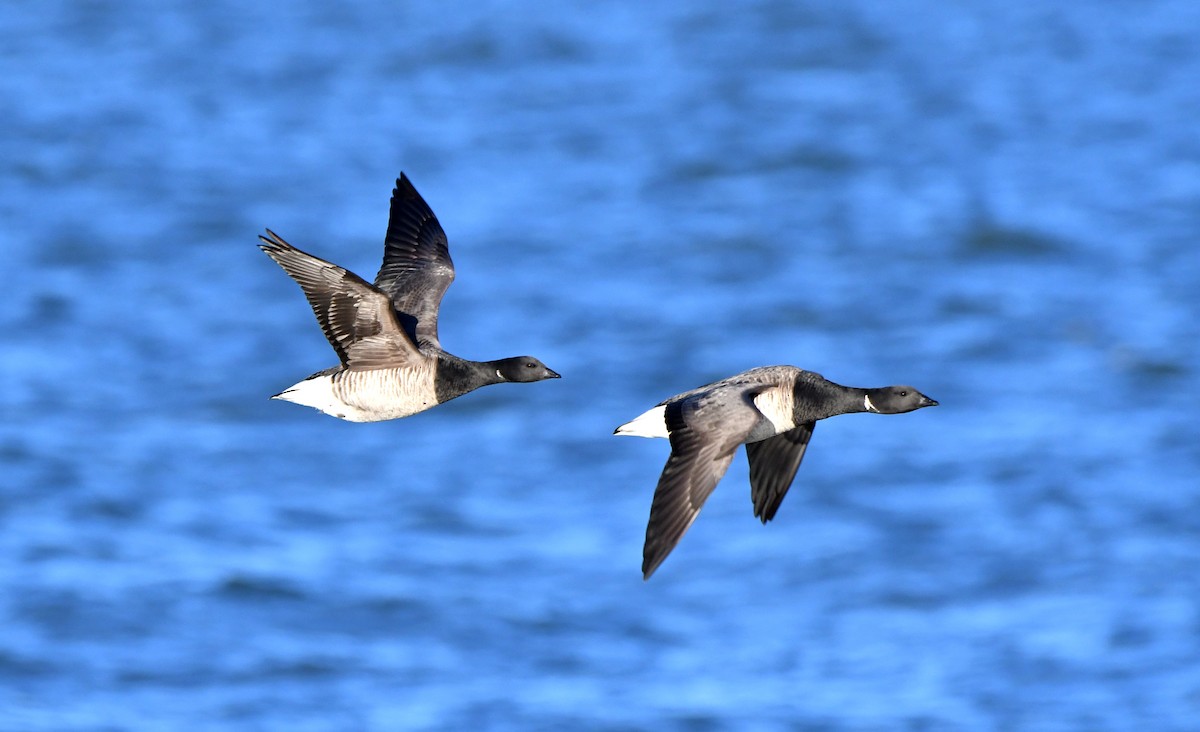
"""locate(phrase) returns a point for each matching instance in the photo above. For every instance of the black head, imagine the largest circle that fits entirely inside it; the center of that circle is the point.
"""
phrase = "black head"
(896, 400)
(523, 369)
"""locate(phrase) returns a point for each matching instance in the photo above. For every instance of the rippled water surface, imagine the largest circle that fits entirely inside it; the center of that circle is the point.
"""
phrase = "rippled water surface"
(997, 203)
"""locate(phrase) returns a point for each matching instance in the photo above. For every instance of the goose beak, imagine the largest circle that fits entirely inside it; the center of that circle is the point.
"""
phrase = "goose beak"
(927, 402)
(555, 375)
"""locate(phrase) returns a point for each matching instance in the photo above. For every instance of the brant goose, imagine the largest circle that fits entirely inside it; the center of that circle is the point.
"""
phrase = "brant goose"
(770, 409)
(385, 334)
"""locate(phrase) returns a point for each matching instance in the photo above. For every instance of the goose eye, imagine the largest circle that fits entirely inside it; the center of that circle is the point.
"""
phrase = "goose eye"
(529, 365)
(903, 393)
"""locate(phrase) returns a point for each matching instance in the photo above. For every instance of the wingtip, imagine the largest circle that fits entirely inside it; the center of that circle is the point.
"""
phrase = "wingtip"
(272, 242)
(650, 565)
(763, 513)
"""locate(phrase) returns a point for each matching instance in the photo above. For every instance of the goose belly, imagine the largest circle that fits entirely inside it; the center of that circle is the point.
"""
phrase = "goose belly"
(365, 396)
(776, 407)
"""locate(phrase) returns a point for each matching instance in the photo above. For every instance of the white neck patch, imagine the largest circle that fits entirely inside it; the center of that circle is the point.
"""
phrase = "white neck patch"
(499, 375)
(867, 403)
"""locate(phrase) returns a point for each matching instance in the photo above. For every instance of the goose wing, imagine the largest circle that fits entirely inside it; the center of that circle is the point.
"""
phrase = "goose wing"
(417, 269)
(356, 317)
(705, 429)
(773, 465)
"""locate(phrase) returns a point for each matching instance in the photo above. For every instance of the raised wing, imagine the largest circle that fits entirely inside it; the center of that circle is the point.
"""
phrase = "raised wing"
(705, 430)
(417, 268)
(356, 318)
(773, 465)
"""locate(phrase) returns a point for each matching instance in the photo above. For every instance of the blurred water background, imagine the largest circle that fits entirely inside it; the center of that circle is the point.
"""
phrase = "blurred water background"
(996, 202)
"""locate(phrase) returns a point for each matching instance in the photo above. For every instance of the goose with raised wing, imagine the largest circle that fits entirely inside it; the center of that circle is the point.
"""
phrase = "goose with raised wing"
(391, 361)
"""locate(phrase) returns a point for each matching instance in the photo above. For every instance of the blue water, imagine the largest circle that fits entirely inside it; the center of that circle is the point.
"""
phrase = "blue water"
(998, 203)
